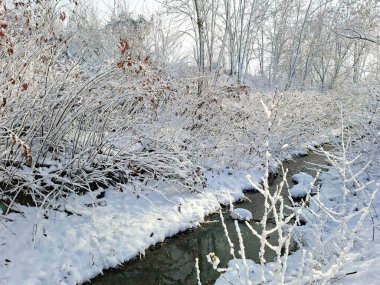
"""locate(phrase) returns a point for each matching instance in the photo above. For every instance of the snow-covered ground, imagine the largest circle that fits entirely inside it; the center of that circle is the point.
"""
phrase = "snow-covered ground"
(329, 263)
(57, 248)
(361, 263)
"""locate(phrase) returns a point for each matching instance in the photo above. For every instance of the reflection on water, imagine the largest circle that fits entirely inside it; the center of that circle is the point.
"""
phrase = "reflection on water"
(173, 261)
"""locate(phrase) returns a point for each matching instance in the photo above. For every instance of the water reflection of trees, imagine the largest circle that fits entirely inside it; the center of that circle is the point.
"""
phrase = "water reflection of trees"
(173, 263)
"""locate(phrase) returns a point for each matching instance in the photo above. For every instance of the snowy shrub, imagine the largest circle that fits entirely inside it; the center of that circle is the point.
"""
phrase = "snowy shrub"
(67, 127)
(224, 125)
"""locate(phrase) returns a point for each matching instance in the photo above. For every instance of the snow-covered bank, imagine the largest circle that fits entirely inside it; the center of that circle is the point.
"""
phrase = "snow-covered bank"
(340, 243)
(360, 264)
(62, 248)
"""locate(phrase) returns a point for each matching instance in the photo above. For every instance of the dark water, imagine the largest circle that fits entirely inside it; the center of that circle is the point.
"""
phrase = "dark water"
(172, 262)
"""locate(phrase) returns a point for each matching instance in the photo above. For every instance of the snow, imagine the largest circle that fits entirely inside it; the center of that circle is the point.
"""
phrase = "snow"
(241, 214)
(361, 264)
(266, 110)
(298, 191)
(213, 259)
(302, 178)
(304, 182)
(358, 265)
(54, 247)
(235, 268)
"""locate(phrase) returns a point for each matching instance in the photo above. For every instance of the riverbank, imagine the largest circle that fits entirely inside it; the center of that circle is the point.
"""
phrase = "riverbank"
(340, 237)
(74, 244)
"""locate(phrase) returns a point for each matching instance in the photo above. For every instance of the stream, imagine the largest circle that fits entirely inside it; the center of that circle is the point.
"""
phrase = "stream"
(173, 261)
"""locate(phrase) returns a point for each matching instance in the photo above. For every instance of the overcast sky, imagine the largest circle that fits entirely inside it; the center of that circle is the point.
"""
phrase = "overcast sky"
(138, 7)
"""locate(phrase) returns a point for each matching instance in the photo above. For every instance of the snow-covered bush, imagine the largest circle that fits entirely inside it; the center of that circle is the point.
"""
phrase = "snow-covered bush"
(224, 125)
(70, 127)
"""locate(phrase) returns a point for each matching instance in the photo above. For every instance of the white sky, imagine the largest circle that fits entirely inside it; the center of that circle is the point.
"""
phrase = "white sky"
(137, 7)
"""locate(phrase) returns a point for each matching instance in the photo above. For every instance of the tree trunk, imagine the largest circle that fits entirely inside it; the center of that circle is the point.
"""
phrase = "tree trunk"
(201, 52)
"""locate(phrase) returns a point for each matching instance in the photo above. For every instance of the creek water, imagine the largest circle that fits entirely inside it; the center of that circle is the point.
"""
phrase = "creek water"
(173, 261)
